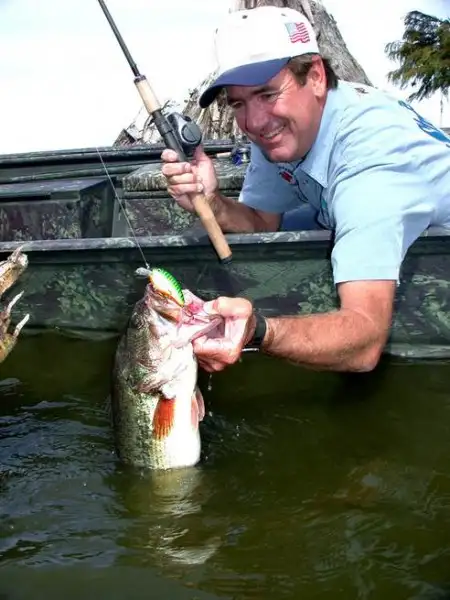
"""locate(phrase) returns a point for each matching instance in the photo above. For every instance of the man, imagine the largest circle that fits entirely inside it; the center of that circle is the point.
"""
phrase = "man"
(374, 171)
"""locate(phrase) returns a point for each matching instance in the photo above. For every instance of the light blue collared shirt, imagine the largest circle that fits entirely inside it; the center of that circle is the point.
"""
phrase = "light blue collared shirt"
(378, 174)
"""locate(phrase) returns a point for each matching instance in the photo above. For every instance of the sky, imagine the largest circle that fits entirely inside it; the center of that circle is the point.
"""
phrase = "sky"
(65, 82)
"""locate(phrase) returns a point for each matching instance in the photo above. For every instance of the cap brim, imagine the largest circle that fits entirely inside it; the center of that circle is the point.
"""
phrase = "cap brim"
(252, 74)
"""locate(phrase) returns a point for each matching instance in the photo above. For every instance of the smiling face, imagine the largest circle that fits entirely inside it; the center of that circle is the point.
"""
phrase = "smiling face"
(282, 117)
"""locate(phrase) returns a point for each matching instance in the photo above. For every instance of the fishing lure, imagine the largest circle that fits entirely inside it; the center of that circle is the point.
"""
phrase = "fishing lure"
(166, 284)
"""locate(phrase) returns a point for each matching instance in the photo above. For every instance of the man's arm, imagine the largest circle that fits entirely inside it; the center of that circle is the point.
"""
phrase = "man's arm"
(236, 217)
(349, 339)
(380, 204)
(264, 197)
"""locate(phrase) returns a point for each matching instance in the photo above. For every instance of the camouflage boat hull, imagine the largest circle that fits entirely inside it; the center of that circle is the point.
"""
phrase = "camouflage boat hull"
(87, 286)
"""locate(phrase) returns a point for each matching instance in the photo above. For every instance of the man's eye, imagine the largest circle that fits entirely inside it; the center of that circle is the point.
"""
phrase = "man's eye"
(270, 95)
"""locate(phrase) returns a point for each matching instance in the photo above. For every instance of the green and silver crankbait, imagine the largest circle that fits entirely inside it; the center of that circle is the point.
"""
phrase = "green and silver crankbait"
(164, 283)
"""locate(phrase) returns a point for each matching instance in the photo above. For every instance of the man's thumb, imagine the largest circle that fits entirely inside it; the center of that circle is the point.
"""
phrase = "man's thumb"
(229, 307)
(200, 155)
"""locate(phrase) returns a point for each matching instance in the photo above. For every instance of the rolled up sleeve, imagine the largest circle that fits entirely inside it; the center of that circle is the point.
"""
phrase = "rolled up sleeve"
(380, 198)
(379, 209)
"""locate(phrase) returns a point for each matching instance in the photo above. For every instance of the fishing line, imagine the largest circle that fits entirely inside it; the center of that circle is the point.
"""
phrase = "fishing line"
(122, 207)
(179, 133)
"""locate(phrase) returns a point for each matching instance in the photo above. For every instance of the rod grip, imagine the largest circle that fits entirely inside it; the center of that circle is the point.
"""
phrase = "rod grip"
(201, 205)
(147, 94)
(209, 222)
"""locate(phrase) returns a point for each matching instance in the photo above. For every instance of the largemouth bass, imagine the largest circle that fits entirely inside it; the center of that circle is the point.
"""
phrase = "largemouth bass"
(156, 403)
(10, 271)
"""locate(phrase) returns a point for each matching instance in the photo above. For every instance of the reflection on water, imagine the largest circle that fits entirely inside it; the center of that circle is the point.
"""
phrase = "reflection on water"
(312, 485)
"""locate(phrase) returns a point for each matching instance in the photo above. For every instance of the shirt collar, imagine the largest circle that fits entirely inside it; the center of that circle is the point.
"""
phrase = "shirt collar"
(315, 163)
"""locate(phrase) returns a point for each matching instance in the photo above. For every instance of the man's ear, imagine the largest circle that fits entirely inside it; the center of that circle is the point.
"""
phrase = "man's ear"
(317, 77)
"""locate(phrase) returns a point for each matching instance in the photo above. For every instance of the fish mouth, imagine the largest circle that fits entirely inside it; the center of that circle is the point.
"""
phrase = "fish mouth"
(191, 320)
(201, 325)
(195, 321)
(194, 324)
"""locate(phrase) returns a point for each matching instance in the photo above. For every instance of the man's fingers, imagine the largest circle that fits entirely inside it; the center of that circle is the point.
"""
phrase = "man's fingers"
(168, 155)
(221, 349)
(181, 190)
(211, 367)
(229, 307)
(184, 183)
(216, 353)
(183, 200)
(174, 169)
(235, 330)
(205, 346)
(183, 179)
(211, 364)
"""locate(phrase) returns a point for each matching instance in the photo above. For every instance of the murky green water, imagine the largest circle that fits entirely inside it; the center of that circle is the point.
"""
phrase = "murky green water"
(313, 485)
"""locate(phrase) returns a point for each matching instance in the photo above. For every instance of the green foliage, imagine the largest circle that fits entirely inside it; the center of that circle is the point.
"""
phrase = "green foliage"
(424, 56)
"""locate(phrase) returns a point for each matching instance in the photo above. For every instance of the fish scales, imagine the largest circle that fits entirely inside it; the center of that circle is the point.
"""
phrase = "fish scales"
(156, 403)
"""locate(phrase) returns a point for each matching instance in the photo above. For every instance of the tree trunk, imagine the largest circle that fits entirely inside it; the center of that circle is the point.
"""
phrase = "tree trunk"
(217, 121)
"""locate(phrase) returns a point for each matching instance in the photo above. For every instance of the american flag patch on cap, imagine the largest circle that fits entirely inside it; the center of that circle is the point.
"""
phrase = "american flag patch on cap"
(297, 32)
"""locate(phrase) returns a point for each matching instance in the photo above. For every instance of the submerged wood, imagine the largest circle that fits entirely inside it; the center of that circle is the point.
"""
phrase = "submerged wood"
(11, 269)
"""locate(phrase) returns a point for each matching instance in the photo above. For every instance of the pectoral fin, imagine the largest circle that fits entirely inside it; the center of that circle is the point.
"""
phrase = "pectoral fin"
(197, 408)
(200, 403)
(163, 418)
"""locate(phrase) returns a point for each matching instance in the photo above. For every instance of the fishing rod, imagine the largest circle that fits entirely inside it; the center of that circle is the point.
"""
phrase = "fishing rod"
(179, 133)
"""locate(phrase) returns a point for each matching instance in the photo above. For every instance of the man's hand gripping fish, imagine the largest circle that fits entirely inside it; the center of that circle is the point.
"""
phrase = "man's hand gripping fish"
(156, 403)
(10, 271)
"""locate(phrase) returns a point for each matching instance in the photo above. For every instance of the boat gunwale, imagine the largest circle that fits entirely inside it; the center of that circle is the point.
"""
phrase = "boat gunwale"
(183, 241)
(211, 146)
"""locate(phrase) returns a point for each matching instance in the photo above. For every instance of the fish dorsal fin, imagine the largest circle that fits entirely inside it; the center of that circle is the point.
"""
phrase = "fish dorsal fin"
(163, 418)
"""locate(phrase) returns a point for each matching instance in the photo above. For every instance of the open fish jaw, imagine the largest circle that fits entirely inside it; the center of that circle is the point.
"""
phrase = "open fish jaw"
(156, 404)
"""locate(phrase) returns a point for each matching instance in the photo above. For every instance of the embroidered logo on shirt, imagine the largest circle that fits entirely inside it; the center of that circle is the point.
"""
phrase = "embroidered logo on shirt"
(287, 175)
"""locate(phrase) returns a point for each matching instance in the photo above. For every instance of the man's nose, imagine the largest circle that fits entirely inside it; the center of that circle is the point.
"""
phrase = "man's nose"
(256, 118)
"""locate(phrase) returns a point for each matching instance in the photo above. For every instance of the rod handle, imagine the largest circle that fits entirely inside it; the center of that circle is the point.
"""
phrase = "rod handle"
(201, 205)
(209, 222)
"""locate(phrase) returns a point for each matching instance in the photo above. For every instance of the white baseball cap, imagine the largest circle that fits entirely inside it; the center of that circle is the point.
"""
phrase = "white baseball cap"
(252, 46)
